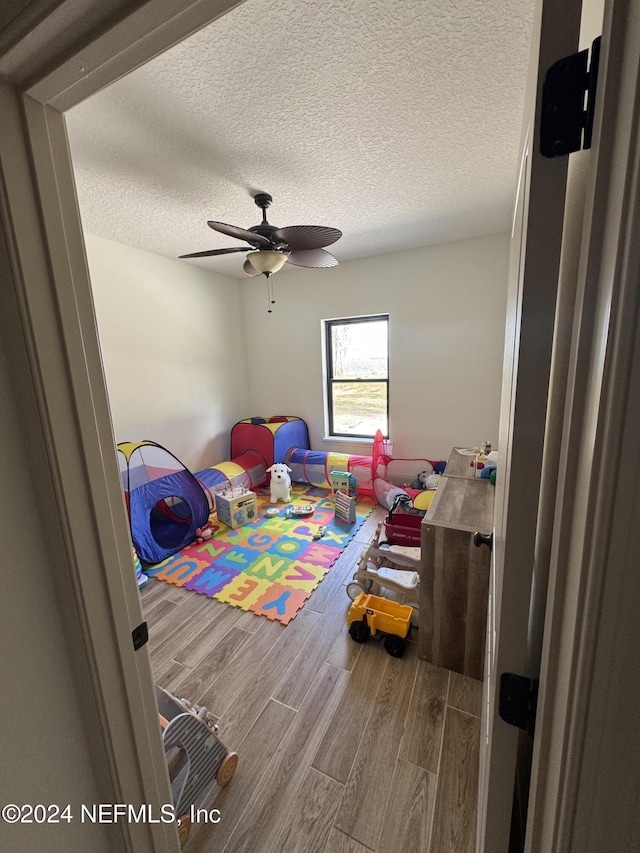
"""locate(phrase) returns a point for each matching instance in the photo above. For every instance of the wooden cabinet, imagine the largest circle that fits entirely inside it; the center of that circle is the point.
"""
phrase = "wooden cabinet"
(454, 582)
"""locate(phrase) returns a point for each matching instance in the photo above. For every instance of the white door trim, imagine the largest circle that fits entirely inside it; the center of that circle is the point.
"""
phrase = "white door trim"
(583, 791)
(144, 33)
(518, 522)
(50, 324)
(74, 463)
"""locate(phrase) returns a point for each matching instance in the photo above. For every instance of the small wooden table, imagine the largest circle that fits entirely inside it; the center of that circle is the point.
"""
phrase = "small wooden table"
(454, 577)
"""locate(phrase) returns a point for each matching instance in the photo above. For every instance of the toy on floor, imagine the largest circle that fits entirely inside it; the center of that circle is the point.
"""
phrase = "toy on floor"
(236, 507)
(392, 567)
(343, 481)
(319, 532)
(370, 615)
(280, 482)
(248, 470)
(402, 525)
(140, 575)
(420, 481)
(300, 511)
(164, 500)
(426, 480)
(345, 508)
(270, 437)
(423, 500)
(198, 762)
(316, 467)
(204, 533)
(285, 439)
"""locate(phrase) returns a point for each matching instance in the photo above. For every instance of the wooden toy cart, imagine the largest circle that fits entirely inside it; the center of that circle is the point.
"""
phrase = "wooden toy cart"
(199, 763)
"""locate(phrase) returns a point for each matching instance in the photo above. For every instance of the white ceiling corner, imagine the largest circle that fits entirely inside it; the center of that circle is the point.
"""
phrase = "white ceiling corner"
(396, 121)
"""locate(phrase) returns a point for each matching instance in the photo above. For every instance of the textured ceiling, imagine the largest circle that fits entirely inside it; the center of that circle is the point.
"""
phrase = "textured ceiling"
(397, 121)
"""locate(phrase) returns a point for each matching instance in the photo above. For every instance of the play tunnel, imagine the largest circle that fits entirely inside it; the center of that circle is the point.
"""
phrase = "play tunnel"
(166, 504)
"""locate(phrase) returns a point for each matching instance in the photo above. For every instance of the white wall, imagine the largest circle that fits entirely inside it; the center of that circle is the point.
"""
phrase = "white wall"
(447, 316)
(171, 341)
(187, 352)
(45, 755)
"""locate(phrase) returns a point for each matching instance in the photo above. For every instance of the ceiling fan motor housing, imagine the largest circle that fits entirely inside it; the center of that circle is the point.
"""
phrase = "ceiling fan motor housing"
(263, 201)
(265, 230)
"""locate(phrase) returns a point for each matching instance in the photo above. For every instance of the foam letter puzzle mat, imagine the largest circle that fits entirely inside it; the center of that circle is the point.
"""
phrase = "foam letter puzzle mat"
(271, 565)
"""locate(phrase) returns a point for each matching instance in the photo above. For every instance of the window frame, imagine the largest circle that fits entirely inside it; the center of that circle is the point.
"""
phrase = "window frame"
(329, 325)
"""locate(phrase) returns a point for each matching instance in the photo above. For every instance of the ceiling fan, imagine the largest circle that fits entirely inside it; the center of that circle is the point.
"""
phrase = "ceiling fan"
(271, 247)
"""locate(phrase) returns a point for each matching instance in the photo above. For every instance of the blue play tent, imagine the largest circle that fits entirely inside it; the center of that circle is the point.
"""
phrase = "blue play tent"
(166, 504)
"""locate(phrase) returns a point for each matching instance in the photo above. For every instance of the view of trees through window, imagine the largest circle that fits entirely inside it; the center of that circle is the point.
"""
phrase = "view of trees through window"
(358, 375)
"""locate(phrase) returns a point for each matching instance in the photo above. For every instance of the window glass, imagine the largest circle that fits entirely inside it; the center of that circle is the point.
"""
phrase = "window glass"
(360, 350)
(357, 375)
(359, 409)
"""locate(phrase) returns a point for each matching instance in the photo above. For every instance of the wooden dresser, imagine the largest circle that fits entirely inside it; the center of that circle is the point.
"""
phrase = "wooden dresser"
(454, 582)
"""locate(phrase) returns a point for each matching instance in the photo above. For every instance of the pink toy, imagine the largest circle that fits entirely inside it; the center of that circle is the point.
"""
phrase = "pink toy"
(204, 533)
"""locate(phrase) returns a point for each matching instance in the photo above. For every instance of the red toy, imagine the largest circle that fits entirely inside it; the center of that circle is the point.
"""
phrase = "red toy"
(204, 533)
(402, 528)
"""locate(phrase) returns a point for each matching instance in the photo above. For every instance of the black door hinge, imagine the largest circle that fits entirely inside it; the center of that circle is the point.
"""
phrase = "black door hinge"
(140, 636)
(518, 700)
(566, 122)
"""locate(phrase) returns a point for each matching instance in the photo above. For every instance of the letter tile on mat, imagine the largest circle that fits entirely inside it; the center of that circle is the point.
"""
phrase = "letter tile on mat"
(177, 569)
(289, 547)
(210, 550)
(244, 591)
(280, 602)
(269, 567)
(320, 555)
(259, 540)
(303, 576)
(211, 580)
(237, 558)
(277, 525)
(335, 538)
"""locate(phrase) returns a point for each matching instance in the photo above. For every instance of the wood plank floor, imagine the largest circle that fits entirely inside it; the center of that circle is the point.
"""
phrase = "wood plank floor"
(342, 749)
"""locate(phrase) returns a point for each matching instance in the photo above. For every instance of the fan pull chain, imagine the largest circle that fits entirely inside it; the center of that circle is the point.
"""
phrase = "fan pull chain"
(269, 311)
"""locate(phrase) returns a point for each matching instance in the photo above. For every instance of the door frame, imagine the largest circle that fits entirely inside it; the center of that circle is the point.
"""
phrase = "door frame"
(54, 324)
(48, 321)
(586, 749)
(518, 566)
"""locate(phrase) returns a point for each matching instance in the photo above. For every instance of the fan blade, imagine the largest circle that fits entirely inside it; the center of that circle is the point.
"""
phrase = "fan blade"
(313, 258)
(217, 252)
(306, 236)
(239, 233)
(248, 267)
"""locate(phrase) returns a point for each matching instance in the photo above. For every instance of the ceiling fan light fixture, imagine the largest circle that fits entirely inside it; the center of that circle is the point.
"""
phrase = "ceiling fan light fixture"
(267, 261)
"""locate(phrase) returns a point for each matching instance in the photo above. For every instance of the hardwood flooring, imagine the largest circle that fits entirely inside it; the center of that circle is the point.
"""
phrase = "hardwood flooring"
(342, 748)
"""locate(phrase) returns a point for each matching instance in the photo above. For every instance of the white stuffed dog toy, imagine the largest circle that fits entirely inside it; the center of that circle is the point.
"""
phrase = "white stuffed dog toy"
(280, 482)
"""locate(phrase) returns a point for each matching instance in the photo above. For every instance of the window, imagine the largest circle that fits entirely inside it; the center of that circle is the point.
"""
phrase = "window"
(357, 361)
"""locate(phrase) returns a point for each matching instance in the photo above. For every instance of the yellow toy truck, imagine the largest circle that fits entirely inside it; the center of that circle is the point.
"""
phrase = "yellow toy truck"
(370, 615)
